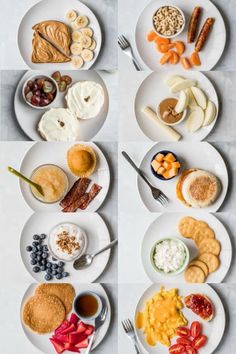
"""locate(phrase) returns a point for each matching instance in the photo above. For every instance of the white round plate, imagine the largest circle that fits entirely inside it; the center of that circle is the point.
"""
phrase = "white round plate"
(55, 153)
(42, 343)
(214, 329)
(97, 234)
(211, 52)
(154, 89)
(54, 10)
(198, 155)
(166, 225)
(28, 117)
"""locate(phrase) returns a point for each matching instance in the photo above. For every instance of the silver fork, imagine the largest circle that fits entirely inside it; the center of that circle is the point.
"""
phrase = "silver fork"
(156, 193)
(127, 49)
(129, 330)
(98, 323)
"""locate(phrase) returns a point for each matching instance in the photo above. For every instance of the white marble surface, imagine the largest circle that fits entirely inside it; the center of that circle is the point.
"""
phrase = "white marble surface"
(9, 127)
(130, 294)
(129, 199)
(224, 83)
(13, 11)
(129, 12)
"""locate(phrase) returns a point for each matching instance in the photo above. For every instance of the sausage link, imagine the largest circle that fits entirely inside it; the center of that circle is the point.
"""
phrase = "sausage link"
(204, 34)
(192, 27)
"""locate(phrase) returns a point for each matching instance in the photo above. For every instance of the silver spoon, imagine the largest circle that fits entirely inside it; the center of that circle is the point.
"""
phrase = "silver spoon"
(87, 259)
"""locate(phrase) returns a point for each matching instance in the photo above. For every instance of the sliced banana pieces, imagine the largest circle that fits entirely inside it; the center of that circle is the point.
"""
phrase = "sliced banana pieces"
(76, 48)
(71, 15)
(76, 36)
(87, 55)
(93, 45)
(86, 42)
(87, 31)
(77, 62)
(81, 22)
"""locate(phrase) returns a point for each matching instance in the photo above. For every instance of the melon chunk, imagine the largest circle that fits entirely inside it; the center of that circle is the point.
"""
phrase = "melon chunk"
(169, 157)
(159, 157)
(161, 170)
(167, 165)
(155, 165)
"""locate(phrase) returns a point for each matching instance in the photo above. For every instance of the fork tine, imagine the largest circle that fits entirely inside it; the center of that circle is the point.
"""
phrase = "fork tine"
(124, 326)
(161, 200)
(122, 41)
(125, 40)
(130, 325)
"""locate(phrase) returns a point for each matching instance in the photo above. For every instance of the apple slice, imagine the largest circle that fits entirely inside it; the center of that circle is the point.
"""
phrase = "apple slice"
(171, 80)
(192, 104)
(182, 85)
(210, 113)
(182, 102)
(200, 97)
(195, 120)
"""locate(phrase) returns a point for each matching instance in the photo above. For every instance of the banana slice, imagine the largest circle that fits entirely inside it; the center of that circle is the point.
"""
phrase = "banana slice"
(77, 62)
(93, 45)
(71, 15)
(76, 36)
(86, 42)
(76, 48)
(87, 31)
(87, 55)
(81, 22)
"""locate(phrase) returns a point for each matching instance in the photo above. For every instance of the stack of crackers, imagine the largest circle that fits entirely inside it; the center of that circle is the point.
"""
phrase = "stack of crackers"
(48, 307)
(209, 249)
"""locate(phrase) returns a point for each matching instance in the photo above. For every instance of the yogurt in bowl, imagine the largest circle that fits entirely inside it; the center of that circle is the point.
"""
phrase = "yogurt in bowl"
(67, 242)
(170, 256)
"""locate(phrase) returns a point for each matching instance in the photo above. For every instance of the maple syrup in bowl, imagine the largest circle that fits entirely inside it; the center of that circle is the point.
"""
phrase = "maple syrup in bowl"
(87, 305)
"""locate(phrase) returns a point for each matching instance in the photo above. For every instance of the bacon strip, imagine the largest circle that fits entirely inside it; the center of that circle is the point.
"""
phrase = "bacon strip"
(76, 204)
(204, 34)
(193, 24)
(77, 190)
(94, 190)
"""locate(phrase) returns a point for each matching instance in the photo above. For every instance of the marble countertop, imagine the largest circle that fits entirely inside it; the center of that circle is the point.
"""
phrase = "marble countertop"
(129, 295)
(128, 16)
(224, 83)
(13, 11)
(9, 127)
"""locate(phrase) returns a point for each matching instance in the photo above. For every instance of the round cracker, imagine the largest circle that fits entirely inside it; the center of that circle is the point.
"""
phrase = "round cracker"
(199, 263)
(194, 274)
(201, 233)
(43, 313)
(209, 246)
(65, 292)
(186, 226)
(211, 260)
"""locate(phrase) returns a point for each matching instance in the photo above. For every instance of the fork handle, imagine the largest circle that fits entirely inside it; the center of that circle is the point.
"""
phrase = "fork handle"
(140, 173)
(137, 348)
(91, 341)
(136, 64)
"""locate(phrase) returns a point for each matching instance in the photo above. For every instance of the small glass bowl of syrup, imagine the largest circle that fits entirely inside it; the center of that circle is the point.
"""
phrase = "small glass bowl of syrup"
(87, 305)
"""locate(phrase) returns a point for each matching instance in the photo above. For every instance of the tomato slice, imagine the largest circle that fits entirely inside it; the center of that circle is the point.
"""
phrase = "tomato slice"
(190, 350)
(195, 329)
(199, 342)
(183, 341)
(177, 349)
(183, 332)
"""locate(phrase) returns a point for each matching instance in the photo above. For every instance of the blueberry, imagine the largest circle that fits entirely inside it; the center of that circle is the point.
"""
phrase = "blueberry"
(45, 255)
(60, 270)
(54, 272)
(48, 277)
(33, 262)
(61, 264)
(43, 262)
(45, 248)
(48, 270)
(29, 248)
(59, 276)
(49, 265)
(35, 243)
(39, 253)
(43, 268)
(34, 249)
(43, 236)
(33, 255)
(65, 274)
(54, 266)
(36, 237)
(39, 248)
(36, 269)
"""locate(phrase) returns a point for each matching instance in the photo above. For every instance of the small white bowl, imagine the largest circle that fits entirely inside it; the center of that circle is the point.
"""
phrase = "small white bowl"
(99, 310)
(32, 78)
(171, 124)
(173, 35)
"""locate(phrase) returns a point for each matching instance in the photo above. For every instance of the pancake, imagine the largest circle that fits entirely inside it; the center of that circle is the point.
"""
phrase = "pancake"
(43, 313)
(65, 292)
(198, 188)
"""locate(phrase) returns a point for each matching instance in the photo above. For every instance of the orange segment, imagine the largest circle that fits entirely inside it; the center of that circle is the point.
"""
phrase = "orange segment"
(195, 59)
(163, 47)
(165, 58)
(186, 63)
(160, 40)
(174, 59)
(151, 36)
(180, 47)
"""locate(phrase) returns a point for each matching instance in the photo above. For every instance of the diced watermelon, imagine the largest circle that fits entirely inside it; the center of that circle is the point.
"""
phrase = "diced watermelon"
(89, 330)
(75, 338)
(71, 348)
(64, 325)
(69, 329)
(81, 327)
(59, 347)
(83, 344)
(61, 337)
(74, 318)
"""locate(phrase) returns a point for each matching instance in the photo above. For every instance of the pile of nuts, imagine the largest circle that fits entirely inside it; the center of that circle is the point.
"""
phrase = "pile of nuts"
(168, 21)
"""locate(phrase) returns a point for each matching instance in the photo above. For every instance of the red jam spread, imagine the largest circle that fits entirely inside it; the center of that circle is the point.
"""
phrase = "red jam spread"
(199, 305)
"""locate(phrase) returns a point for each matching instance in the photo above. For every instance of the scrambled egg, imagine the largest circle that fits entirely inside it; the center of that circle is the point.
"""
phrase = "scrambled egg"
(161, 317)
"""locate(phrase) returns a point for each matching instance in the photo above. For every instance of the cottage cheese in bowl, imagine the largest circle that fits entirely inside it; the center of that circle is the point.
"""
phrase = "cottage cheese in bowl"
(67, 241)
(170, 256)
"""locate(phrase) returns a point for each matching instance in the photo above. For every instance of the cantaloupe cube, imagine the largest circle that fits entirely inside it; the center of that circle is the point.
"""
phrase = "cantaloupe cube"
(176, 164)
(173, 172)
(161, 170)
(155, 165)
(159, 157)
(170, 157)
(166, 175)
(167, 165)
